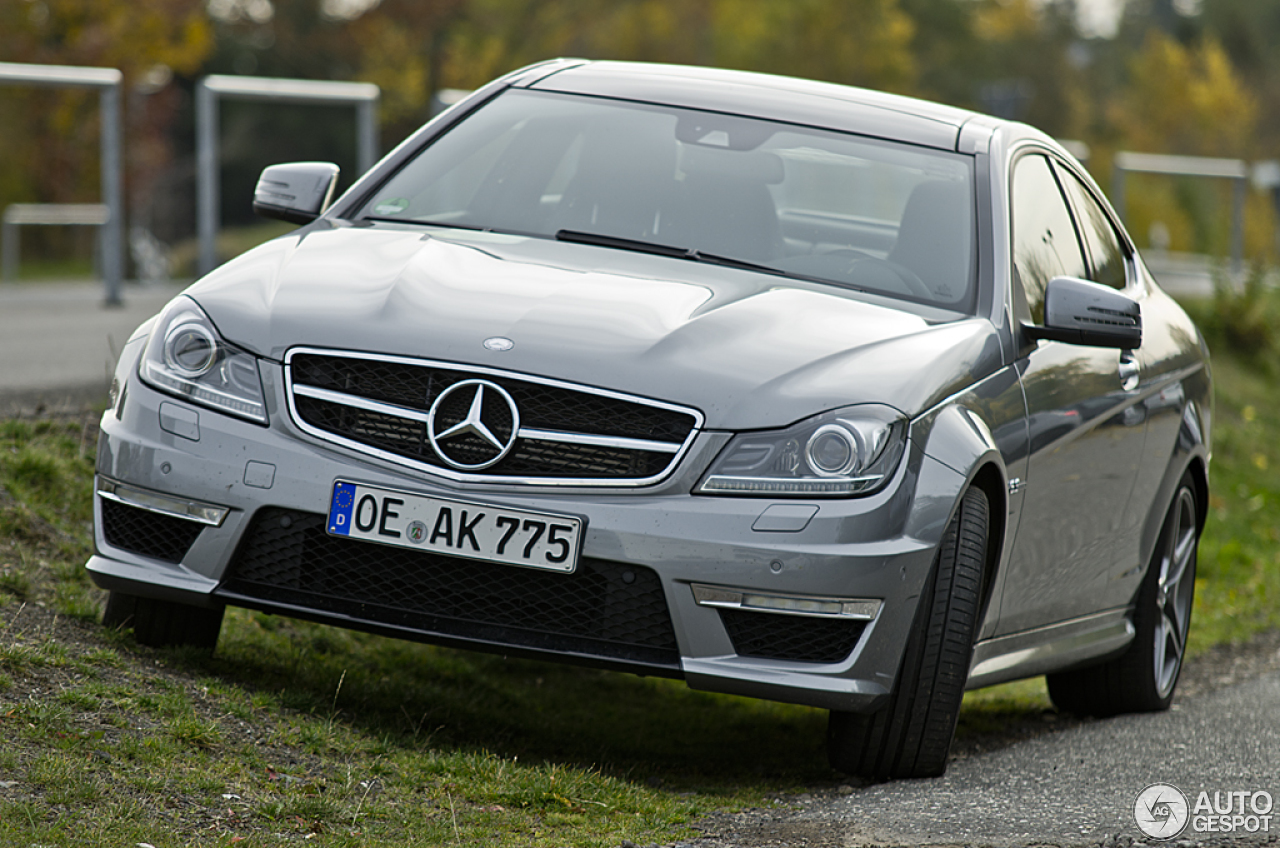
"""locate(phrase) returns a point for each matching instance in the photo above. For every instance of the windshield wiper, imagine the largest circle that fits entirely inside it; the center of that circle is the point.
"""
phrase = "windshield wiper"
(693, 255)
(419, 222)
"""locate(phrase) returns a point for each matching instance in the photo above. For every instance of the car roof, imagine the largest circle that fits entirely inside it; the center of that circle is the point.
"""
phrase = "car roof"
(789, 99)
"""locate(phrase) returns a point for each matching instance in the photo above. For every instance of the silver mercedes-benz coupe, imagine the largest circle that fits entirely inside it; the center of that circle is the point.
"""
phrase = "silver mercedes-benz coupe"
(783, 388)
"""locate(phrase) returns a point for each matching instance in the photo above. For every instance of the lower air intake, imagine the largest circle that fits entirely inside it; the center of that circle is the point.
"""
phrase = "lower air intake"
(791, 637)
(147, 533)
(606, 610)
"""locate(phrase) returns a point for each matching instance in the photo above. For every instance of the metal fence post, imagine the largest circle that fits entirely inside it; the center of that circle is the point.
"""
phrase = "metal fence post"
(209, 92)
(366, 134)
(1238, 195)
(108, 81)
(9, 247)
(207, 199)
(112, 238)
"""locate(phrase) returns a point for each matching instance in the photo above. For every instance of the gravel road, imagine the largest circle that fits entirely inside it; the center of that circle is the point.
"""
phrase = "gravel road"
(1072, 783)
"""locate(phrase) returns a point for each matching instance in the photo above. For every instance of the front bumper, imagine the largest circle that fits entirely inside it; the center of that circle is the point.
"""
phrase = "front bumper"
(654, 560)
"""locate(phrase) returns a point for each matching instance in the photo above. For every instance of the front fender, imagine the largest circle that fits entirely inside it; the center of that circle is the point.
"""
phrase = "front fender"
(981, 437)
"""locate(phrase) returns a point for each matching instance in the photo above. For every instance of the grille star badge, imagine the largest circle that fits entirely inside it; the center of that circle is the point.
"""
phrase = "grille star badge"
(473, 424)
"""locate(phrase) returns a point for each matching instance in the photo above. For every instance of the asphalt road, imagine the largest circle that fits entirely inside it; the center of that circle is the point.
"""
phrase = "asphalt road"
(59, 343)
(1075, 787)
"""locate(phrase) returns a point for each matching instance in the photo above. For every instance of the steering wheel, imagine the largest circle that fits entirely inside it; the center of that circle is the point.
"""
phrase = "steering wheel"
(910, 283)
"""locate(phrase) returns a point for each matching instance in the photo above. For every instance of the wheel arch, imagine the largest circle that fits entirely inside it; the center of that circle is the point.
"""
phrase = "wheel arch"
(959, 438)
(1190, 455)
(991, 479)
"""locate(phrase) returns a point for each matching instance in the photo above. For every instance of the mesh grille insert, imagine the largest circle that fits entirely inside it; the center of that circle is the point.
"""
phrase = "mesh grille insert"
(604, 609)
(147, 533)
(791, 637)
(581, 413)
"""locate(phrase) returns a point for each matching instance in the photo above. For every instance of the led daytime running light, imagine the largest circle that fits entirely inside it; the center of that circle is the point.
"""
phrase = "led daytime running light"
(723, 484)
(206, 395)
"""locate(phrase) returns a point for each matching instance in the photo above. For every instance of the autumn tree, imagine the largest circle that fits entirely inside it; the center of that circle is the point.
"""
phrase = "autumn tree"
(49, 152)
(1186, 99)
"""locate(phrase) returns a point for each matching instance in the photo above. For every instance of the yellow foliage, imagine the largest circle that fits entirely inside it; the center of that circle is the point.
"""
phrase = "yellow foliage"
(392, 58)
(133, 36)
(1006, 21)
(1188, 101)
(862, 42)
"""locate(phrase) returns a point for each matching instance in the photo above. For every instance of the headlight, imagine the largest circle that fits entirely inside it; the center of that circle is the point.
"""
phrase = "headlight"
(186, 357)
(849, 451)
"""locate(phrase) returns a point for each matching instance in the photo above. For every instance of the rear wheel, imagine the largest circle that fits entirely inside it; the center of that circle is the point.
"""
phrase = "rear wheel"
(911, 735)
(1143, 678)
(162, 624)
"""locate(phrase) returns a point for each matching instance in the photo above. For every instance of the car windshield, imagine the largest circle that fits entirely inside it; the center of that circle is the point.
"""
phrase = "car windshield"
(872, 215)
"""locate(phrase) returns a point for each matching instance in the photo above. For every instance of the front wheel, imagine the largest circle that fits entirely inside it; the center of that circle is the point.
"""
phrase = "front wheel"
(911, 735)
(1143, 678)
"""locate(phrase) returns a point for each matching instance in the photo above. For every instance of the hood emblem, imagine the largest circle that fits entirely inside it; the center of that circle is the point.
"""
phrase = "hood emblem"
(498, 343)
(473, 424)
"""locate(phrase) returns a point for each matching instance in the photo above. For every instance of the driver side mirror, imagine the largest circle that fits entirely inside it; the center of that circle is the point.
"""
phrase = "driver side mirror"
(1083, 313)
(297, 192)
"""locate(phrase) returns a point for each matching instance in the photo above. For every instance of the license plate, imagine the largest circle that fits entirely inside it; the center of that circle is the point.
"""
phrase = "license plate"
(458, 528)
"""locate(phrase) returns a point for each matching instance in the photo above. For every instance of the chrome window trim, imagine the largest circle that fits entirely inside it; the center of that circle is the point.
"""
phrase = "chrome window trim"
(677, 450)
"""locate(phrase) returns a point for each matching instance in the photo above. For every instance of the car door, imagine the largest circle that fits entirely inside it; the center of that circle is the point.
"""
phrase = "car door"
(1085, 425)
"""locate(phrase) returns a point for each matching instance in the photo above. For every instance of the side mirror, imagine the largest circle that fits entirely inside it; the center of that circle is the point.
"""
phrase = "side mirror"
(1084, 313)
(298, 192)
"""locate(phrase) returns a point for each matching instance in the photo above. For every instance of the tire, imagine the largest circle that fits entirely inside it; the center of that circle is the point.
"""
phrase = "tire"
(162, 624)
(911, 735)
(1143, 678)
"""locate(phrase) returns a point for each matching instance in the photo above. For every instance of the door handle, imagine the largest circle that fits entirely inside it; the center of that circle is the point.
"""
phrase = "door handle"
(1129, 371)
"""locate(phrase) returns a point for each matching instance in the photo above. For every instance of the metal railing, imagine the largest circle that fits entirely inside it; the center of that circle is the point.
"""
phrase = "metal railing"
(1237, 170)
(107, 81)
(44, 214)
(212, 89)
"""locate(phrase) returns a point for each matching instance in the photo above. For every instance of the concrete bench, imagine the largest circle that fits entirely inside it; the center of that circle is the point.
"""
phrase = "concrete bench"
(43, 214)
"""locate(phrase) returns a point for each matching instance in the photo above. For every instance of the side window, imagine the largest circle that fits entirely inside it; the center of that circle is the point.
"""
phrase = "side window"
(1044, 238)
(1106, 257)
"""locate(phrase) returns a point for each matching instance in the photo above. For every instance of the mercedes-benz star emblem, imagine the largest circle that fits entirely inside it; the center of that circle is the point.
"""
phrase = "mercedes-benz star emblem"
(473, 424)
(498, 344)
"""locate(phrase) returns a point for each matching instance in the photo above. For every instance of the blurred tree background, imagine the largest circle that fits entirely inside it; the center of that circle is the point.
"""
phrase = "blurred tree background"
(1197, 77)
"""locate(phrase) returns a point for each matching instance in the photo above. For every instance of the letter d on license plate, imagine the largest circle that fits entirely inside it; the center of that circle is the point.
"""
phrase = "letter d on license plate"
(457, 528)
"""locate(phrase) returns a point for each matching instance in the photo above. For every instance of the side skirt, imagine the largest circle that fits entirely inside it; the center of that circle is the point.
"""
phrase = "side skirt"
(1053, 648)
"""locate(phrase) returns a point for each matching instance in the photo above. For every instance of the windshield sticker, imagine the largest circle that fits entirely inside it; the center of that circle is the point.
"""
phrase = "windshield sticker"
(391, 206)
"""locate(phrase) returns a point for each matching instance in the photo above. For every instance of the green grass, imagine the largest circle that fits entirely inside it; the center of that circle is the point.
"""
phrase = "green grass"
(296, 729)
(40, 270)
(300, 732)
(1238, 578)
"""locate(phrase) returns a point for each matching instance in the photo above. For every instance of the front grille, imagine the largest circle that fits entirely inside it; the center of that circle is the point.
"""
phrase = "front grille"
(604, 609)
(791, 637)
(151, 534)
(565, 434)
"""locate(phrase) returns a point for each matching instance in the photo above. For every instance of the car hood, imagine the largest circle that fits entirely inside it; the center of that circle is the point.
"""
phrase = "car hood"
(748, 350)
